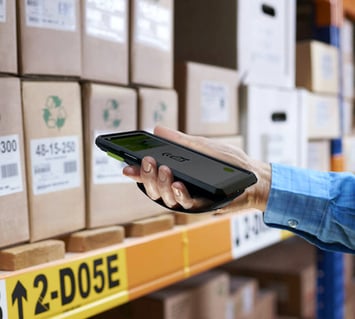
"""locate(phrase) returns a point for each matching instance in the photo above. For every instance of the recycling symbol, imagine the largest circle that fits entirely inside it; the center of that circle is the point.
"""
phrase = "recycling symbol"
(158, 114)
(54, 113)
(111, 114)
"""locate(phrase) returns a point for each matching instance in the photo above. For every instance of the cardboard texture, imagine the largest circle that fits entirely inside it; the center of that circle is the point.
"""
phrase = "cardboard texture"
(105, 41)
(151, 43)
(255, 38)
(14, 226)
(208, 99)
(54, 152)
(317, 67)
(148, 226)
(111, 197)
(273, 125)
(49, 38)
(157, 106)
(291, 276)
(200, 297)
(8, 38)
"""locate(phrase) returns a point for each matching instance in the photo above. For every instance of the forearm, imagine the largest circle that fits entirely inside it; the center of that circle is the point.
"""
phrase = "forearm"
(315, 205)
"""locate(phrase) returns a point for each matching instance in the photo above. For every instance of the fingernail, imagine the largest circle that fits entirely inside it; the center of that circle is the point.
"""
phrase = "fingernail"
(162, 175)
(177, 191)
(147, 167)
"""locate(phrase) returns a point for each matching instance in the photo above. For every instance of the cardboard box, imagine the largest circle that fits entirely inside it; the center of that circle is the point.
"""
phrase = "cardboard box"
(208, 99)
(319, 155)
(322, 114)
(253, 37)
(209, 293)
(151, 43)
(105, 41)
(168, 303)
(111, 197)
(349, 153)
(157, 106)
(273, 125)
(348, 116)
(8, 37)
(317, 67)
(265, 305)
(348, 83)
(242, 298)
(347, 40)
(292, 276)
(54, 152)
(49, 37)
(14, 226)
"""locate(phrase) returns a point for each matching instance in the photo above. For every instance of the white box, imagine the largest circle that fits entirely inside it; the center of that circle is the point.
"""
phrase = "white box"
(253, 37)
(273, 125)
(347, 40)
(318, 155)
(348, 83)
(348, 116)
(266, 42)
(322, 114)
(349, 153)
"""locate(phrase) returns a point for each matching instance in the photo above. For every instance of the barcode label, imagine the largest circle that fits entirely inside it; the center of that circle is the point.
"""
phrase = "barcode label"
(70, 167)
(51, 14)
(9, 170)
(55, 164)
(10, 167)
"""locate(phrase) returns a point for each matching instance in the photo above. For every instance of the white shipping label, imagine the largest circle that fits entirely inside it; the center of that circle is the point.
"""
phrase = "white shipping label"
(249, 233)
(107, 19)
(105, 169)
(2, 10)
(51, 14)
(153, 25)
(214, 102)
(3, 299)
(10, 165)
(55, 164)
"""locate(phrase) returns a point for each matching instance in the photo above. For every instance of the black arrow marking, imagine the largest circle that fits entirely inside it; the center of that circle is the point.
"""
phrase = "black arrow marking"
(19, 293)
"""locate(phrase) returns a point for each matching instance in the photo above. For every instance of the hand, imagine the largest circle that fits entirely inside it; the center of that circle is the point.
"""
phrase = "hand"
(159, 181)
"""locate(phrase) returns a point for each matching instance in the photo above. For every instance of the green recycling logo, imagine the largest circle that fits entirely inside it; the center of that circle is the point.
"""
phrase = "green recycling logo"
(54, 114)
(158, 114)
(111, 113)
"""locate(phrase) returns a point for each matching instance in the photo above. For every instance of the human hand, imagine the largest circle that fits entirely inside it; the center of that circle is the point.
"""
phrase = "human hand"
(159, 181)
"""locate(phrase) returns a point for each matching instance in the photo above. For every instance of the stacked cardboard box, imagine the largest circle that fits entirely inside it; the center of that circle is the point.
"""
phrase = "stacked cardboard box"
(8, 40)
(14, 226)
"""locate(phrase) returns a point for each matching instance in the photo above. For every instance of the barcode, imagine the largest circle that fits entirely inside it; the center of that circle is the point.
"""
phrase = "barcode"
(70, 167)
(42, 169)
(9, 170)
(33, 3)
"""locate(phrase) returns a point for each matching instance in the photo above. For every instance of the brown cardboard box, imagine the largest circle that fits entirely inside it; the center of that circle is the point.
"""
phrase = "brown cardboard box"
(265, 305)
(168, 303)
(209, 293)
(291, 275)
(317, 67)
(111, 197)
(242, 297)
(105, 41)
(8, 39)
(14, 227)
(208, 99)
(200, 297)
(49, 37)
(53, 141)
(157, 106)
(151, 43)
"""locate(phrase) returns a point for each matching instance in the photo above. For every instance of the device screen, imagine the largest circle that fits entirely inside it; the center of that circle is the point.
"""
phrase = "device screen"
(192, 164)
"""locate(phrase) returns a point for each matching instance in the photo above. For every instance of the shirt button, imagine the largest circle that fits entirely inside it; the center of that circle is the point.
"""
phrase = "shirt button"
(292, 223)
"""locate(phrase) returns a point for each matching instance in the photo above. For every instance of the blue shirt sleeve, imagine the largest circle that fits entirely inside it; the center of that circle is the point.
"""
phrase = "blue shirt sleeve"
(318, 206)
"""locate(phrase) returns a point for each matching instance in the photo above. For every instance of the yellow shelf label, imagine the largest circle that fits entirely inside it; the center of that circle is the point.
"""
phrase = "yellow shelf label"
(56, 289)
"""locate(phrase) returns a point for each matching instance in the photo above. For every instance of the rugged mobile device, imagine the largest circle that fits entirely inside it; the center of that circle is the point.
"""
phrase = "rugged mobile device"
(203, 175)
